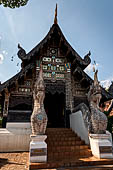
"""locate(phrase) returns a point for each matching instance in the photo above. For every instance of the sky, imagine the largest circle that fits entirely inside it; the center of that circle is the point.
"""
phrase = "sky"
(86, 24)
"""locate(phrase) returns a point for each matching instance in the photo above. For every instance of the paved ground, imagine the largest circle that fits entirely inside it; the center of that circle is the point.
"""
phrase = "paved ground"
(86, 168)
(19, 161)
(14, 161)
(102, 167)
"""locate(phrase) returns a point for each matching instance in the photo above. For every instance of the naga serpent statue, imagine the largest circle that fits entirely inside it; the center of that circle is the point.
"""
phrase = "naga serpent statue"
(39, 117)
(95, 120)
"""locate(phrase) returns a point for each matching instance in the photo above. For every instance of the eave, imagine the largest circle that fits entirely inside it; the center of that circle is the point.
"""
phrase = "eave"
(15, 78)
(86, 81)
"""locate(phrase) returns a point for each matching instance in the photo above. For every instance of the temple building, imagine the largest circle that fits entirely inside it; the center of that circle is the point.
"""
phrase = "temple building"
(66, 83)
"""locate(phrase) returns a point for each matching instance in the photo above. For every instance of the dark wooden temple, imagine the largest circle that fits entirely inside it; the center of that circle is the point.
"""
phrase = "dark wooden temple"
(66, 82)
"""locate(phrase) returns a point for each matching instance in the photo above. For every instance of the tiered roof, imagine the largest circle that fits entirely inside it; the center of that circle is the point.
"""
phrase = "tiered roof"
(78, 64)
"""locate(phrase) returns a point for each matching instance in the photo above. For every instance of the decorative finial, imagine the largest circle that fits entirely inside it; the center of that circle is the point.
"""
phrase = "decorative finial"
(94, 65)
(96, 78)
(55, 19)
(21, 53)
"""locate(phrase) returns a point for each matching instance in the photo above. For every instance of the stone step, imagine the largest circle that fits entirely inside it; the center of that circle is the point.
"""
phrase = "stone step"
(77, 162)
(67, 148)
(68, 154)
(61, 135)
(64, 143)
(58, 129)
(64, 139)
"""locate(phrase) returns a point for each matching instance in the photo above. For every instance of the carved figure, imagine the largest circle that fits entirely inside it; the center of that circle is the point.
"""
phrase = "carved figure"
(21, 53)
(96, 119)
(87, 58)
(39, 117)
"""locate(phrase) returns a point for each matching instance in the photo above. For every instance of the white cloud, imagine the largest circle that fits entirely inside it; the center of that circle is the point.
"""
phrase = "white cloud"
(4, 52)
(106, 83)
(1, 58)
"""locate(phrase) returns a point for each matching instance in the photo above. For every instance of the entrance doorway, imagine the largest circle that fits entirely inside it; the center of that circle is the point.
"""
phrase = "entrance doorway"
(55, 109)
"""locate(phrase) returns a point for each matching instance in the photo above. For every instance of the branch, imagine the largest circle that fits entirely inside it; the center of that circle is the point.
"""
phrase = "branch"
(13, 3)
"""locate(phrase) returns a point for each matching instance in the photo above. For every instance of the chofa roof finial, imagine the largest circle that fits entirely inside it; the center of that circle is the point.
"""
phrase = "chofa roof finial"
(55, 19)
(95, 74)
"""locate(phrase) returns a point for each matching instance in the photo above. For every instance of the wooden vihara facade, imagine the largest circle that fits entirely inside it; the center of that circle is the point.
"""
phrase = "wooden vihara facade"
(66, 83)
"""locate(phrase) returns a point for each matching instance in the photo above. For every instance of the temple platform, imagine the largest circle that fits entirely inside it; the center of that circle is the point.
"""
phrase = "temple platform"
(16, 137)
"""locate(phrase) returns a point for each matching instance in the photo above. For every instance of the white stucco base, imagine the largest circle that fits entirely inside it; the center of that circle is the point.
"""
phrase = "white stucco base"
(101, 145)
(78, 126)
(38, 149)
(16, 137)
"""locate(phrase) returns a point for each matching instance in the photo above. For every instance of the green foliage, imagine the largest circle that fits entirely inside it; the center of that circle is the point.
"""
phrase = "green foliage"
(13, 3)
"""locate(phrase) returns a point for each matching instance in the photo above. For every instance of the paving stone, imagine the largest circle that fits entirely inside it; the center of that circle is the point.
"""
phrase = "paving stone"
(14, 161)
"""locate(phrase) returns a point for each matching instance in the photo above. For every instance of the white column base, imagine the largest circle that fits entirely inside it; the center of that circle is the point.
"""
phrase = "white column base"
(38, 149)
(101, 145)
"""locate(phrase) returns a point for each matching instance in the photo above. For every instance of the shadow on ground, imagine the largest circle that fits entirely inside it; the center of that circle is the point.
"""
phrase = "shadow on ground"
(3, 161)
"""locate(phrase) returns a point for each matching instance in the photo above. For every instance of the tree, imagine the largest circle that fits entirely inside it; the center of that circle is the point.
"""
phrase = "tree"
(13, 3)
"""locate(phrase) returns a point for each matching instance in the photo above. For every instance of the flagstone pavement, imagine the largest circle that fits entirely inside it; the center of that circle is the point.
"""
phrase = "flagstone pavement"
(14, 161)
(19, 161)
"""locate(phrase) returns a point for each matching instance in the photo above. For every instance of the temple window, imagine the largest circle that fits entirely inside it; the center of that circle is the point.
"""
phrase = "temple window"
(60, 76)
(61, 68)
(24, 90)
(53, 66)
(44, 67)
(28, 83)
(47, 59)
(58, 60)
(48, 75)
(53, 52)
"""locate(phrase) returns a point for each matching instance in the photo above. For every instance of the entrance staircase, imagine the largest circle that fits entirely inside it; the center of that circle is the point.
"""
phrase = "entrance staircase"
(63, 144)
(66, 149)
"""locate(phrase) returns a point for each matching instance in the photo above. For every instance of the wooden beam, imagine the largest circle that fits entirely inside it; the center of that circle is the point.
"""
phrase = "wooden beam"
(83, 79)
(60, 42)
(16, 84)
(67, 53)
